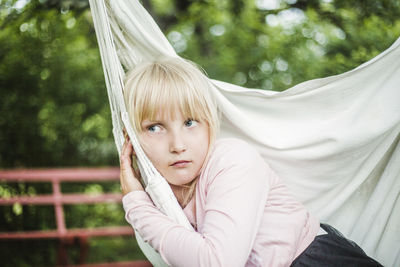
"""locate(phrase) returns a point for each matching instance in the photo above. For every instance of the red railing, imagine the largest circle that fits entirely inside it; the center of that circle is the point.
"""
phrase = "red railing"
(58, 199)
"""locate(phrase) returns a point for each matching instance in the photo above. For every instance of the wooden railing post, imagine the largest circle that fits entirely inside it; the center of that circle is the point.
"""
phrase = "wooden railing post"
(62, 255)
(58, 207)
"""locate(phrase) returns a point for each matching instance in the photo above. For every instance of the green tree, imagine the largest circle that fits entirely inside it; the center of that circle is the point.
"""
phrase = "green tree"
(53, 100)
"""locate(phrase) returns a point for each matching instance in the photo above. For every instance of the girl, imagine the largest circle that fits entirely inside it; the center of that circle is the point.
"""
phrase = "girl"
(241, 210)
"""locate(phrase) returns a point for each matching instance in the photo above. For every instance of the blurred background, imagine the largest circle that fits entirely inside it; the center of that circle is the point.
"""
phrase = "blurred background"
(54, 109)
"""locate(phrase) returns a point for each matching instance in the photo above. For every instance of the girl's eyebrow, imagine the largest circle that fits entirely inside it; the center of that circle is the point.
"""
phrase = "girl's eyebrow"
(150, 122)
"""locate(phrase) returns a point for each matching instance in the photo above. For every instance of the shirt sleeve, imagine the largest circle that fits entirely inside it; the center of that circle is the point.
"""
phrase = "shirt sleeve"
(236, 184)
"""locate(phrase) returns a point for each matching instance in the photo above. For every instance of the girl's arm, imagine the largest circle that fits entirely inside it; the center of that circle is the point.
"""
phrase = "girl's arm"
(235, 184)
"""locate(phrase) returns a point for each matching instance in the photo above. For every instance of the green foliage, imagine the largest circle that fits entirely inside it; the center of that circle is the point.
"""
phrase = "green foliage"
(238, 42)
(53, 103)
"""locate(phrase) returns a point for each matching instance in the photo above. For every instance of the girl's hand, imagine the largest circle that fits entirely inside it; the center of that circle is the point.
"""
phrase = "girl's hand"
(128, 178)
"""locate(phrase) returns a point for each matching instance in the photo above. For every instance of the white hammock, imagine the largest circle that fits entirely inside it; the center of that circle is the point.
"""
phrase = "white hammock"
(335, 141)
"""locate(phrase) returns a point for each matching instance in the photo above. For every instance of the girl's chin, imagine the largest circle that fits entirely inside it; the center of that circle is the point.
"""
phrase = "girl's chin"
(177, 181)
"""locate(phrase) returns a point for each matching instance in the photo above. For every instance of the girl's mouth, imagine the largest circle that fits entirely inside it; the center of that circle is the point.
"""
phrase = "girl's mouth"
(180, 163)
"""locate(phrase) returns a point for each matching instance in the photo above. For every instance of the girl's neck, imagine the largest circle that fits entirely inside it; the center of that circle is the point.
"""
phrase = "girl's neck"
(183, 194)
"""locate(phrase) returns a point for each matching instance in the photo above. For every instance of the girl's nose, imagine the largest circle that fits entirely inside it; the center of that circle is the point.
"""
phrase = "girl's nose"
(177, 144)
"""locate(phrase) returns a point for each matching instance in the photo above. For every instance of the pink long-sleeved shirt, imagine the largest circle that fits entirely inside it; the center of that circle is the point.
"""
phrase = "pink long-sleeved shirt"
(242, 212)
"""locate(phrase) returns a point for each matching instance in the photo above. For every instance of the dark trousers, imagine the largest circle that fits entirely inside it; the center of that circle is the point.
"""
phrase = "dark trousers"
(333, 249)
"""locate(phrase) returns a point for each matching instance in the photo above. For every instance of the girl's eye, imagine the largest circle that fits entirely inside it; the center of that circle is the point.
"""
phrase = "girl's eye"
(154, 128)
(191, 123)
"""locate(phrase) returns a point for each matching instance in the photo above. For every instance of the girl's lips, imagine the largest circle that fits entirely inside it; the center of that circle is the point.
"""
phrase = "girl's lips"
(180, 163)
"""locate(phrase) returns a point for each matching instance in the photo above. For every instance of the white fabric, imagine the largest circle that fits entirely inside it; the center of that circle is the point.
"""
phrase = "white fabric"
(335, 141)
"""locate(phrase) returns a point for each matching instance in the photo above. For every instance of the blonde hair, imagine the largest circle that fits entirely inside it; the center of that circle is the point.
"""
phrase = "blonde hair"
(169, 84)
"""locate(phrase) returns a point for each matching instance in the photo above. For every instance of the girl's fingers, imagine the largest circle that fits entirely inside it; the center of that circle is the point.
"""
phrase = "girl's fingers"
(128, 176)
(129, 149)
(126, 153)
(129, 144)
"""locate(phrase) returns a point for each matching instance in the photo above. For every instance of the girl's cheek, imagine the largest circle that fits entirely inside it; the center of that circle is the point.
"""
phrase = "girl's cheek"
(153, 142)
(145, 142)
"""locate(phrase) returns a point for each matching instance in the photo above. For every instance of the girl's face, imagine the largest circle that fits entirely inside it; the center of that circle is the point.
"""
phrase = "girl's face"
(176, 146)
